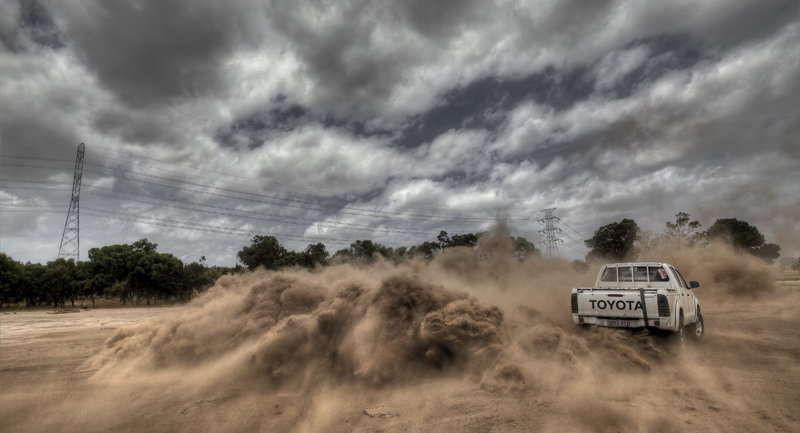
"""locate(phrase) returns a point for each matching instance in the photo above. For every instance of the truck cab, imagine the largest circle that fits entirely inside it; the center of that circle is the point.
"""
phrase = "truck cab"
(639, 295)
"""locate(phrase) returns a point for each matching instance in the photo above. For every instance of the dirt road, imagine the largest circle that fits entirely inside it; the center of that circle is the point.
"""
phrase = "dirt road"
(745, 376)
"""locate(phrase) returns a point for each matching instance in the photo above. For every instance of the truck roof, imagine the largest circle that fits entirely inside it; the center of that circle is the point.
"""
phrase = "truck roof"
(638, 264)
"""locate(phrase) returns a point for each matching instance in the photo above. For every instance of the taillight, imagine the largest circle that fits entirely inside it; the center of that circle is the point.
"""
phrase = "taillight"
(574, 303)
(663, 306)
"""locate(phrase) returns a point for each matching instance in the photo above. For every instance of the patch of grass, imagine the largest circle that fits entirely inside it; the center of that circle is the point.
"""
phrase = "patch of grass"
(788, 275)
(87, 304)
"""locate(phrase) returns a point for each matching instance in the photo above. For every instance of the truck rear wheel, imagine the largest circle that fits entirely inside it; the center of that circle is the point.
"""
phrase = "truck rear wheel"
(698, 328)
(677, 337)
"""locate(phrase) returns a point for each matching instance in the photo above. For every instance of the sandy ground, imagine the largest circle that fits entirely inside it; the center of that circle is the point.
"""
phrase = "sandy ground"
(744, 376)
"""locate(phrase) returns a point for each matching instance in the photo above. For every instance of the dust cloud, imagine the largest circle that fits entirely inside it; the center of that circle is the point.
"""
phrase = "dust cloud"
(731, 273)
(467, 342)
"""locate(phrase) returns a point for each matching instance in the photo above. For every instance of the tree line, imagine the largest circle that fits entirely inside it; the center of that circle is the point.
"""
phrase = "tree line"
(267, 252)
(131, 274)
(138, 273)
(624, 240)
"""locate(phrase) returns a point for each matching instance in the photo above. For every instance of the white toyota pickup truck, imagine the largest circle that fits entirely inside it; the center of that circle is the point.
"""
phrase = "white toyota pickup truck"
(640, 295)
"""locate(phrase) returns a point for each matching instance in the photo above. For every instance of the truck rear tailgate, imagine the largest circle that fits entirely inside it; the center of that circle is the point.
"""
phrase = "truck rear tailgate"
(617, 303)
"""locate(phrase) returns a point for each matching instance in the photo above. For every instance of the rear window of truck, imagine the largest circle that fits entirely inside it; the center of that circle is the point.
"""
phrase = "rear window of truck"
(609, 274)
(634, 273)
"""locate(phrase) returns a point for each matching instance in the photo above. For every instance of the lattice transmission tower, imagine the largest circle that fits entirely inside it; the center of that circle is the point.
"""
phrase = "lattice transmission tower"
(550, 231)
(70, 240)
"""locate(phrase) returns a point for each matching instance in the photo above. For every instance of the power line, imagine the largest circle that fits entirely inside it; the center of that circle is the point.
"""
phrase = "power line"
(411, 204)
(293, 200)
(172, 221)
(573, 249)
(39, 188)
(211, 171)
(315, 206)
(35, 158)
(36, 181)
(283, 219)
(271, 217)
(38, 139)
(34, 166)
(384, 214)
(188, 225)
(448, 208)
(349, 211)
(579, 233)
(34, 206)
(5, 210)
(249, 178)
(571, 238)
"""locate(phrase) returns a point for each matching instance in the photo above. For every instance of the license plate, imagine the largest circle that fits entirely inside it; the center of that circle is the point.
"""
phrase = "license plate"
(620, 323)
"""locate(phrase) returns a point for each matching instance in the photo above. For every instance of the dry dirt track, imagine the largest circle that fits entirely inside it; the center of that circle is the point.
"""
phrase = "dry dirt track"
(745, 376)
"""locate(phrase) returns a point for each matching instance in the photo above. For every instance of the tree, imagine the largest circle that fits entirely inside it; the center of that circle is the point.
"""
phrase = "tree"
(363, 251)
(265, 251)
(742, 236)
(59, 281)
(739, 233)
(444, 240)
(314, 255)
(136, 272)
(111, 266)
(679, 232)
(11, 276)
(399, 254)
(426, 249)
(647, 242)
(430, 249)
(469, 240)
(33, 284)
(524, 249)
(792, 263)
(767, 252)
(614, 241)
(194, 279)
(579, 266)
(154, 276)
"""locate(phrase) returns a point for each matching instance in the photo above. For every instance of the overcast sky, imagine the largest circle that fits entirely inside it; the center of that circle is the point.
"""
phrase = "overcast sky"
(208, 122)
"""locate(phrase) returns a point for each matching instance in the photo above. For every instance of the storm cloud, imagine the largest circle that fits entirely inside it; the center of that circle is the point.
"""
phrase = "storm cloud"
(331, 122)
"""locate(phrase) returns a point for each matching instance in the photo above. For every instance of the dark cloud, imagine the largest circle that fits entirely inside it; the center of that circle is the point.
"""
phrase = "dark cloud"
(38, 21)
(251, 132)
(364, 113)
(34, 22)
(340, 55)
(152, 52)
(135, 127)
(746, 21)
(439, 21)
(483, 103)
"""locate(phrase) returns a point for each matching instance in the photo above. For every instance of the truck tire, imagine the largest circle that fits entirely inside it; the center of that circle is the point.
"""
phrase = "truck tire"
(677, 337)
(698, 328)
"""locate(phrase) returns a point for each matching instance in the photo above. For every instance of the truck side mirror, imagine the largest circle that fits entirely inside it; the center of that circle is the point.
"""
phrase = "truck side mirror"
(694, 284)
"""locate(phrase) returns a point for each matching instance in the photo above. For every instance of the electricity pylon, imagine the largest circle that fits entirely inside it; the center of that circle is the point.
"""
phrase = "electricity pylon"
(550, 231)
(70, 240)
